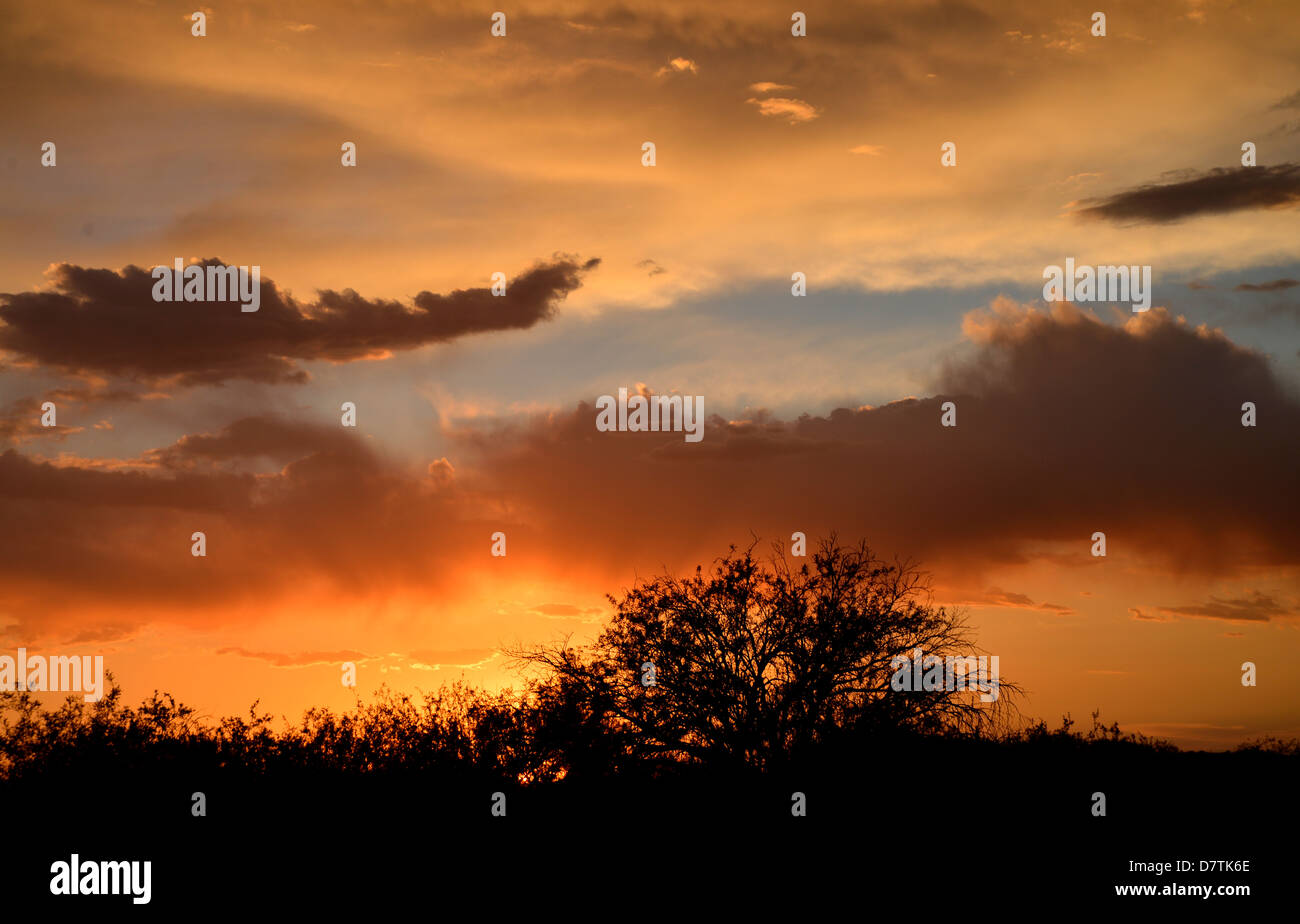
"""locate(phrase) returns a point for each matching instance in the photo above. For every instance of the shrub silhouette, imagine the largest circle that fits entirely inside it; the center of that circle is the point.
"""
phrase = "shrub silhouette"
(770, 681)
(760, 669)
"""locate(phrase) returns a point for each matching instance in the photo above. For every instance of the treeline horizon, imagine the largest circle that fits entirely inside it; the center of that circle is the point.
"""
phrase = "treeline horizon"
(769, 754)
(751, 674)
(501, 733)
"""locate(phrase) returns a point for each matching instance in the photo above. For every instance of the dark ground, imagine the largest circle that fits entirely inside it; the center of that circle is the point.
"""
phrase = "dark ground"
(929, 828)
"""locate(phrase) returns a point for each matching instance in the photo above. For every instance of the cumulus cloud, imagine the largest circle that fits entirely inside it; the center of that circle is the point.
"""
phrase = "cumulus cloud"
(678, 66)
(1065, 425)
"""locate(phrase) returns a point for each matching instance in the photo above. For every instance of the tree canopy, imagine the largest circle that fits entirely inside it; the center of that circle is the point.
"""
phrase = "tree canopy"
(755, 662)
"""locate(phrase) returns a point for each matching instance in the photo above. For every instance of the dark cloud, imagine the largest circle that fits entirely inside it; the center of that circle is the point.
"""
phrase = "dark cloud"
(106, 322)
(114, 536)
(25, 481)
(20, 422)
(998, 597)
(1276, 285)
(1065, 425)
(1256, 608)
(1223, 189)
(1289, 102)
(258, 438)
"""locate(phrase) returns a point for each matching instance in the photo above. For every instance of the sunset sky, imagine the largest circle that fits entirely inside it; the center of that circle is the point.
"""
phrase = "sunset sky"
(774, 154)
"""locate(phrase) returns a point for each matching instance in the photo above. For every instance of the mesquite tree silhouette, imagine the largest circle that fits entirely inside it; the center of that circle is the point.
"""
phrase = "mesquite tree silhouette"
(756, 663)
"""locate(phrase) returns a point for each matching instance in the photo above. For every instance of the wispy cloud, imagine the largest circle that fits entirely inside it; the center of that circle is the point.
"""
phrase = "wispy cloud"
(1277, 285)
(1219, 190)
(795, 110)
(1257, 607)
(299, 659)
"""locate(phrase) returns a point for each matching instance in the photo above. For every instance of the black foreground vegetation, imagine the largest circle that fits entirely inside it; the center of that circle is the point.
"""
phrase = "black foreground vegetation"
(769, 681)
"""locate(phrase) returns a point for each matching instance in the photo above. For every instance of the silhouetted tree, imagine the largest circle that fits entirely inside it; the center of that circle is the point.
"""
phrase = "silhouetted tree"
(756, 663)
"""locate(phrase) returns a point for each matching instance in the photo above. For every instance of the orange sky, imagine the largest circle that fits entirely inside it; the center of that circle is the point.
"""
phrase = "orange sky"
(775, 154)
